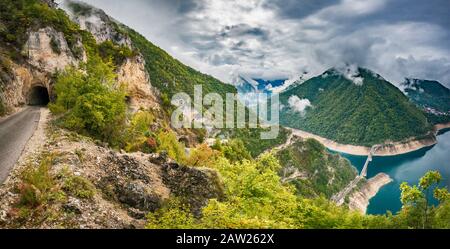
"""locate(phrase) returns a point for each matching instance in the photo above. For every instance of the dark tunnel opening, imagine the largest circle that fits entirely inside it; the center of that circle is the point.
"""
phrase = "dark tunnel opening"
(38, 96)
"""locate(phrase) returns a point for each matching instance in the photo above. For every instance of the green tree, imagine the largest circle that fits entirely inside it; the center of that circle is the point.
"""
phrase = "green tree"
(417, 211)
(91, 101)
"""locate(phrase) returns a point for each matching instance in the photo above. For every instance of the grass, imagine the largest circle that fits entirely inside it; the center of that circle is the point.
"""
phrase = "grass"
(43, 191)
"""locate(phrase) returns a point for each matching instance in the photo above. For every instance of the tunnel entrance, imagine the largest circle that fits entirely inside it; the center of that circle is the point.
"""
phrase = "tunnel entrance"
(38, 96)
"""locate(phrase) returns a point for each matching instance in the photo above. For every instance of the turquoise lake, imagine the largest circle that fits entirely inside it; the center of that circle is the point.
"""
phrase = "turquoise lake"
(405, 168)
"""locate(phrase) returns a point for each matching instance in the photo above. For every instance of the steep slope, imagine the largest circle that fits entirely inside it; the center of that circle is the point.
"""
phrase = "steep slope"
(352, 107)
(431, 96)
(36, 40)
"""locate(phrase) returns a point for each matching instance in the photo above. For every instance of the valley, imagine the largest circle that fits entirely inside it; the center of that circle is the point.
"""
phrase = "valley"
(88, 138)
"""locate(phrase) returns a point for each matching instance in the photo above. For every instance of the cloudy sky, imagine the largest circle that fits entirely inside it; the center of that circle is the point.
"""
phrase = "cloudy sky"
(284, 38)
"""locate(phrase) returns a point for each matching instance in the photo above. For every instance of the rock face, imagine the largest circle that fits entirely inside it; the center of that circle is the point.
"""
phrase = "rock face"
(43, 60)
(48, 50)
(360, 200)
(141, 94)
(196, 185)
(132, 72)
(95, 21)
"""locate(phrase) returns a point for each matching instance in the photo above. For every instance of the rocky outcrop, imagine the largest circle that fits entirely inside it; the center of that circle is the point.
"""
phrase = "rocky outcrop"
(48, 51)
(96, 21)
(141, 94)
(127, 186)
(194, 185)
(359, 200)
(132, 72)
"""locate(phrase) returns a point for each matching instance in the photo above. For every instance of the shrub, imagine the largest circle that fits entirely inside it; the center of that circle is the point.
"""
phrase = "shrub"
(79, 187)
(117, 53)
(37, 183)
(136, 133)
(91, 102)
(202, 156)
(3, 109)
(167, 141)
(54, 44)
(234, 150)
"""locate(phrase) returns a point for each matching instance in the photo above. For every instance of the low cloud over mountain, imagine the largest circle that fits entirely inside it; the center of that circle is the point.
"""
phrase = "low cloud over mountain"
(281, 39)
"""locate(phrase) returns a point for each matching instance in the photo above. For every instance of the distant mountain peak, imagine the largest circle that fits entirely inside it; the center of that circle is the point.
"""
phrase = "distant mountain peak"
(352, 72)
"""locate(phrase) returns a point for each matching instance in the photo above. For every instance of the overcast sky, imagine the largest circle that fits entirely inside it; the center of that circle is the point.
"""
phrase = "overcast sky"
(281, 39)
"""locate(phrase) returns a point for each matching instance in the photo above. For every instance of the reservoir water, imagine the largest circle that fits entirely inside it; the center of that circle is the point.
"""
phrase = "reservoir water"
(405, 168)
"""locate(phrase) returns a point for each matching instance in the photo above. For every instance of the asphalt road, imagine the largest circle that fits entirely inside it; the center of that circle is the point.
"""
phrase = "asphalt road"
(15, 131)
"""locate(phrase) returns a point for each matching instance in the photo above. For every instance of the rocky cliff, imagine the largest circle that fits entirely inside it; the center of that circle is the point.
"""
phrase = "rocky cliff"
(46, 52)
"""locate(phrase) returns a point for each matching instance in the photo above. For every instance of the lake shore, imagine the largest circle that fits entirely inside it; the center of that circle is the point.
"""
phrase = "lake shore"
(360, 200)
(389, 149)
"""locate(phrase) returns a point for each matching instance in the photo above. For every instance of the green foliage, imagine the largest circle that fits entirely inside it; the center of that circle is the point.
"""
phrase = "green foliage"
(137, 132)
(79, 187)
(40, 177)
(417, 211)
(234, 150)
(202, 156)
(90, 101)
(3, 109)
(324, 173)
(347, 113)
(256, 198)
(20, 16)
(55, 45)
(253, 142)
(427, 93)
(37, 183)
(117, 53)
(168, 142)
(173, 215)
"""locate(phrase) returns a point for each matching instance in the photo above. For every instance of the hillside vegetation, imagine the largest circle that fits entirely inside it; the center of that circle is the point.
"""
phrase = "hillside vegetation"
(313, 170)
(345, 112)
(431, 96)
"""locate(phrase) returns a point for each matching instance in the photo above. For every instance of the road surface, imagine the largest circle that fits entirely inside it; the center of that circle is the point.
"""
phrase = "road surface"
(15, 131)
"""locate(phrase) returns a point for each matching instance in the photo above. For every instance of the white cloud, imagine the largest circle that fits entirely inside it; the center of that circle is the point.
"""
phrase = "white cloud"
(299, 105)
(229, 37)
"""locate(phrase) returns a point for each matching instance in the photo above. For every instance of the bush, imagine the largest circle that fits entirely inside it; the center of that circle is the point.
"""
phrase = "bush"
(3, 109)
(37, 183)
(202, 156)
(235, 150)
(91, 102)
(137, 135)
(79, 187)
(167, 141)
(117, 53)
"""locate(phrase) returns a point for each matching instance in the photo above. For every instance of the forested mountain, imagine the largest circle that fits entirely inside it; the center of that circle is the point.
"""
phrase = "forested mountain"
(359, 108)
(431, 96)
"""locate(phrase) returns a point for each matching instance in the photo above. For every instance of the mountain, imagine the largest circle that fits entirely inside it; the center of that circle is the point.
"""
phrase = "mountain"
(166, 73)
(352, 106)
(246, 84)
(431, 96)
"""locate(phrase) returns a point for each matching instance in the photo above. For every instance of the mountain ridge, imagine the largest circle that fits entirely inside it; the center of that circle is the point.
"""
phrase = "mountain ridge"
(358, 108)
